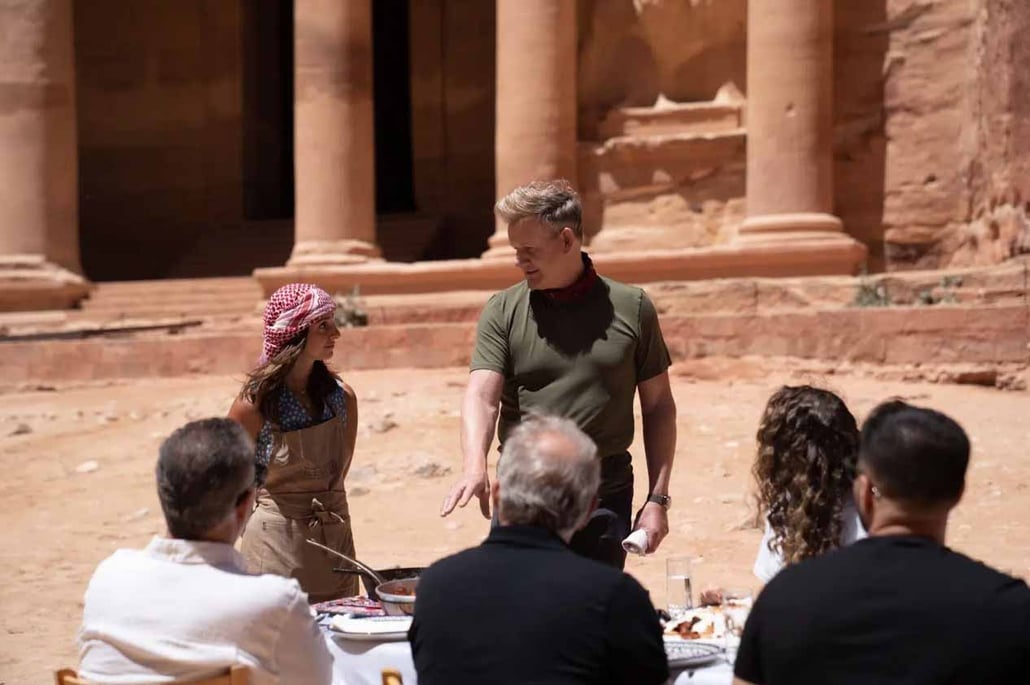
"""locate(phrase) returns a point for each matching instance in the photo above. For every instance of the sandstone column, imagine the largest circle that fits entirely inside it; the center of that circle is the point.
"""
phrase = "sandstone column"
(789, 121)
(334, 155)
(536, 97)
(39, 239)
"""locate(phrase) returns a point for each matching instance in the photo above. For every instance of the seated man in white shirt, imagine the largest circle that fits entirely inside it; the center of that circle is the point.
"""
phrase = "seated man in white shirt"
(185, 608)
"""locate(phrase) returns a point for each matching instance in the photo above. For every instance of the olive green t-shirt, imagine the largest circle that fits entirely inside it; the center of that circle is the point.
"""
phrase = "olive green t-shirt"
(581, 360)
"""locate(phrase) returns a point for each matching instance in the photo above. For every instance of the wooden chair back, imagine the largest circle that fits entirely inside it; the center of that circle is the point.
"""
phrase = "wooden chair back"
(392, 676)
(236, 675)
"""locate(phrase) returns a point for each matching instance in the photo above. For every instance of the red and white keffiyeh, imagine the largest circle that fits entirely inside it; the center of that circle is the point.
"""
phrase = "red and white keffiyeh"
(289, 312)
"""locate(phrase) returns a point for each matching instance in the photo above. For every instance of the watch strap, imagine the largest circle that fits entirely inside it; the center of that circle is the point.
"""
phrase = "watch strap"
(663, 500)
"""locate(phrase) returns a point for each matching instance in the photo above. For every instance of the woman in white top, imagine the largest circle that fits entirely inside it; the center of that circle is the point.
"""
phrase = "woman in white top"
(807, 449)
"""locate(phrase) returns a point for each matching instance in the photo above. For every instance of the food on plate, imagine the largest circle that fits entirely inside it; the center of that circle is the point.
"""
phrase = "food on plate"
(705, 623)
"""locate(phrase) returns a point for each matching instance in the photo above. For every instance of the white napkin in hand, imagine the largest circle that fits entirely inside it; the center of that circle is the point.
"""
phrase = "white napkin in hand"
(637, 542)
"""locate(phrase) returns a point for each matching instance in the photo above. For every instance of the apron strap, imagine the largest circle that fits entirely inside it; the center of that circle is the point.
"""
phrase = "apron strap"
(322, 516)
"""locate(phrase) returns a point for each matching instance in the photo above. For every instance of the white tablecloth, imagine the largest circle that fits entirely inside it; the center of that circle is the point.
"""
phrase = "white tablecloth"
(720, 673)
(361, 663)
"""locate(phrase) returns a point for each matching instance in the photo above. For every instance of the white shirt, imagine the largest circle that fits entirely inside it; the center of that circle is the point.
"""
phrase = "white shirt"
(769, 563)
(181, 610)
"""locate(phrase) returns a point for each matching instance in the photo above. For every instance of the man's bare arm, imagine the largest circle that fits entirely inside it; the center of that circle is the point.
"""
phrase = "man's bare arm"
(658, 412)
(478, 420)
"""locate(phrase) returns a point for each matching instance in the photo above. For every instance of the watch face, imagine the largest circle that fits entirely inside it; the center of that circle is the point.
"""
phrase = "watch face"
(663, 500)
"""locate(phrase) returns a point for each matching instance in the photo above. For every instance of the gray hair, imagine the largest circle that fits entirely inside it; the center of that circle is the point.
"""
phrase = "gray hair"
(548, 475)
(553, 203)
(203, 470)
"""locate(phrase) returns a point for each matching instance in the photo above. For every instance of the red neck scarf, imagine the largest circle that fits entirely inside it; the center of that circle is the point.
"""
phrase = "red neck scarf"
(578, 289)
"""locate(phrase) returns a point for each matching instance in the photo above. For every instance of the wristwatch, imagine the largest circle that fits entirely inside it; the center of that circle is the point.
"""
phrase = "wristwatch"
(663, 500)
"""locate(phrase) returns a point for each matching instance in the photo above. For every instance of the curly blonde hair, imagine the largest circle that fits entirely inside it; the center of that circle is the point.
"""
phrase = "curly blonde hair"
(807, 452)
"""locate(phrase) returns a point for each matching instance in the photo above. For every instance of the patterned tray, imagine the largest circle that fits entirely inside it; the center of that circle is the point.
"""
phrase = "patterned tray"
(691, 653)
(357, 606)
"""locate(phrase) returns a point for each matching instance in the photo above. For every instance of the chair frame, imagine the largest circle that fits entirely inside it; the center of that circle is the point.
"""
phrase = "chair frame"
(236, 675)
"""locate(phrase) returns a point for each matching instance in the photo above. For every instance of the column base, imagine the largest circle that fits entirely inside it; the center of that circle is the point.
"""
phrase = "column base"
(333, 253)
(499, 247)
(834, 255)
(793, 226)
(30, 282)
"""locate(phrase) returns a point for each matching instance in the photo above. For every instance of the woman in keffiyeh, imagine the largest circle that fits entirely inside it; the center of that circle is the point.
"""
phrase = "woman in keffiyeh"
(303, 419)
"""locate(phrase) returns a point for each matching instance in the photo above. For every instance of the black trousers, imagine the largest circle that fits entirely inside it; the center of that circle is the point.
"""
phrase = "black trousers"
(601, 538)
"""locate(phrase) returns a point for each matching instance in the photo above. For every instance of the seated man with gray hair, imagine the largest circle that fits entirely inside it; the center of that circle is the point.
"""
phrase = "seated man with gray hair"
(185, 608)
(523, 607)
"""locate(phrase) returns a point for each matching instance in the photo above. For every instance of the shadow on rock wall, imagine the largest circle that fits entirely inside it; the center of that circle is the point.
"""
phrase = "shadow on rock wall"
(632, 51)
(861, 40)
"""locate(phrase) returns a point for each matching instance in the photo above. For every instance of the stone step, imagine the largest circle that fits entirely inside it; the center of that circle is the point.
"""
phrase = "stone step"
(241, 284)
(115, 315)
(173, 288)
(887, 335)
(205, 298)
(1004, 284)
(672, 119)
(152, 299)
(628, 166)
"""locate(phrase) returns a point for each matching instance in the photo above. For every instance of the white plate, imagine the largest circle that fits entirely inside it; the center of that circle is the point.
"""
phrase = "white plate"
(371, 628)
(691, 653)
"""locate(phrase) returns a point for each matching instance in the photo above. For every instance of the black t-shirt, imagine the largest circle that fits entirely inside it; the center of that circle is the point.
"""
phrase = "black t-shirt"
(888, 610)
(524, 609)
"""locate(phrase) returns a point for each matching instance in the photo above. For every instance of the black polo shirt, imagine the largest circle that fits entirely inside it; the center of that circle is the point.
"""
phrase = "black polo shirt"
(523, 608)
(890, 609)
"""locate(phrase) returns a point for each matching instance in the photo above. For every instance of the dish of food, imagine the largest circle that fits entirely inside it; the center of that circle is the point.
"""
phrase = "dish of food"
(398, 596)
(704, 623)
(371, 628)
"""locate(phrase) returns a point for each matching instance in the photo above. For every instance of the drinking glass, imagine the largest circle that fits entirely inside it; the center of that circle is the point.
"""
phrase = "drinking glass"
(677, 585)
(736, 605)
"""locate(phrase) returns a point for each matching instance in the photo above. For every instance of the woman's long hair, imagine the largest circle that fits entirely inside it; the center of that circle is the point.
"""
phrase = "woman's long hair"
(261, 388)
(807, 451)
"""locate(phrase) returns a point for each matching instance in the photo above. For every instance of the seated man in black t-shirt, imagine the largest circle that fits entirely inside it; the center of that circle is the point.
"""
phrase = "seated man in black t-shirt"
(523, 607)
(898, 607)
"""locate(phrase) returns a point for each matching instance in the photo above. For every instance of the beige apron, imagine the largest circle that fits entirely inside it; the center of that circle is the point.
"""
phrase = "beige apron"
(303, 498)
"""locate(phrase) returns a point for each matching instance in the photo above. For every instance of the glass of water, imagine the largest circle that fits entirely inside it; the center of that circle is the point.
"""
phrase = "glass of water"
(736, 605)
(677, 586)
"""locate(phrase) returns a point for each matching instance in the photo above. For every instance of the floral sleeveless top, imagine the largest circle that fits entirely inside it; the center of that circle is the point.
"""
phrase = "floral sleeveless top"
(294, 417)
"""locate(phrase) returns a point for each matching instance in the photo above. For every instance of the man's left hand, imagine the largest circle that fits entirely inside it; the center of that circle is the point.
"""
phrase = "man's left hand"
(653, 518)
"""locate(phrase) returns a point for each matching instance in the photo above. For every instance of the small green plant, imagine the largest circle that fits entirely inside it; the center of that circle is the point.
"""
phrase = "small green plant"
(350, 311)
(872, 294)
(926, 297)
(944, 294)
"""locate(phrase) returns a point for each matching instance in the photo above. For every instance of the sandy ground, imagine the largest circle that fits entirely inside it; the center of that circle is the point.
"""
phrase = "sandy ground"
(60, 517)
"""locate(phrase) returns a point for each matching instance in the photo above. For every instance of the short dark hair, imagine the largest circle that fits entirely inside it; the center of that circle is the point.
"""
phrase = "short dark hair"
(914, 454)
(202, 471)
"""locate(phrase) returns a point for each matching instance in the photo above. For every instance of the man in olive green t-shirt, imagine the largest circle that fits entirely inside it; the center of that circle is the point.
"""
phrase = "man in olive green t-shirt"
(568, 342)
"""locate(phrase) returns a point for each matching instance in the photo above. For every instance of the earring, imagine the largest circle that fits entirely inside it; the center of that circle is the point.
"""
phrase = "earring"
(876, 492)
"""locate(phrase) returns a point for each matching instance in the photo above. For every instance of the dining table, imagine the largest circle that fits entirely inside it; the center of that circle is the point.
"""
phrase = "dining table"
(361, 662)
